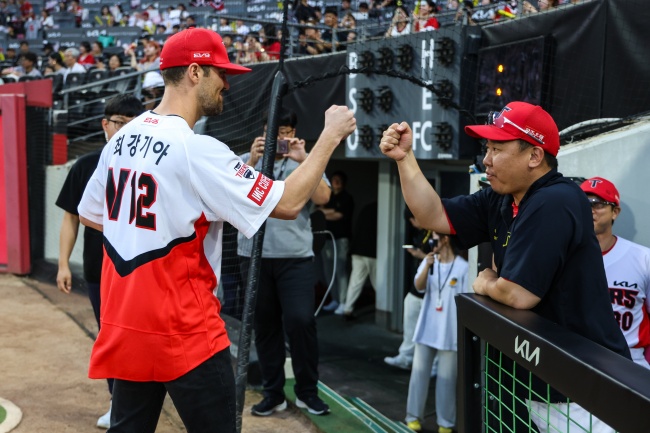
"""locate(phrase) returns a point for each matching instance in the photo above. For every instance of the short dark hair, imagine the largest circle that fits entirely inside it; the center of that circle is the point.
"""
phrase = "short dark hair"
(342, 175)
(124, 105)
(332, 10)
(551, 160)
(174, 75)
(288, 118)
(30, 56)
(86, 45)
(56, 56)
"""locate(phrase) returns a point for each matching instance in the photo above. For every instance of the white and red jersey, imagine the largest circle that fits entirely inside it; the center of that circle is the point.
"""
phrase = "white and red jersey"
(162, 193)
(628, 277)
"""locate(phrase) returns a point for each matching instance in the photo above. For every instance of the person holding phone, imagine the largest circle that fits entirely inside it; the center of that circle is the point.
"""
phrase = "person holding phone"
(285, 295)
(441, 276)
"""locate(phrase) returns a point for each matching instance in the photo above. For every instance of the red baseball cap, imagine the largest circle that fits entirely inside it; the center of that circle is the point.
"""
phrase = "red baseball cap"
(201, 46)
(602, 188)
(520, 120)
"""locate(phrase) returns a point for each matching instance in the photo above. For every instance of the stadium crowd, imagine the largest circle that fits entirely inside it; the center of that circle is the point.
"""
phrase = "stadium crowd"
(317, 27)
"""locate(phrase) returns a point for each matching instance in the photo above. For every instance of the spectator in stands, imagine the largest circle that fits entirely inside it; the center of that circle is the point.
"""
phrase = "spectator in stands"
(270, 42)
(464, 13)
(331, 20)
(86, 59)
(55, 61)
(303, 12)
(105, 17)
(400, 24)
(100, 63)
(28, 62)
(97, 49)
(119, 111)
(424, 19)
(224, 26)
(47, 22)
(362, 13)
(32, 27)
(241, 28)
(150, 60)
(229, 44)
(250, 51)
(310, 40)
(153, 88)
(189, 22)
(624, 261)
(484, 13)
(79, 13)
(183, 11)
(114, 62)
(349, 22)
(23, 48)
(142, 20)
(116, 10)
(10, 56)
(70, 57)
(542, 5)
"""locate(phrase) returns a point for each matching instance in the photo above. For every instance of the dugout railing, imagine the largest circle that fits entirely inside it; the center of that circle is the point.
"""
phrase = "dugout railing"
(492, 399)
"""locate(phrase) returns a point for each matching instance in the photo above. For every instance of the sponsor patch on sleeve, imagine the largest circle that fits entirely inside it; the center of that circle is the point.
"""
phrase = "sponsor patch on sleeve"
(242, 170)
(260, 190)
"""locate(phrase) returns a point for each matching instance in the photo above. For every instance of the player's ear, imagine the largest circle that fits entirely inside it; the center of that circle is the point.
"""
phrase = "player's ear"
(536, 157)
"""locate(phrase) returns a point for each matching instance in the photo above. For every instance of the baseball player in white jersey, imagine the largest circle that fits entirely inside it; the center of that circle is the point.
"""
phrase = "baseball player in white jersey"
(627, 266)
(160, 195)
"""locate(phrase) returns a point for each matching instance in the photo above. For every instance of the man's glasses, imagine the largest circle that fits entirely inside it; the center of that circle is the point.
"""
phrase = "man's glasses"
(599, 204)
(499, 121)
(118, 123)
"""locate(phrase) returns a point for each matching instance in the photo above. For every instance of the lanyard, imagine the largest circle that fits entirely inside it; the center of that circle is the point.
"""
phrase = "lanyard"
(440, 287)
(282, 168)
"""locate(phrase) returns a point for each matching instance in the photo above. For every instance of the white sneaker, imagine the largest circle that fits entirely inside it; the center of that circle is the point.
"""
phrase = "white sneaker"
(397, 361)
(333, 305)
(104, 421)
(340, 310)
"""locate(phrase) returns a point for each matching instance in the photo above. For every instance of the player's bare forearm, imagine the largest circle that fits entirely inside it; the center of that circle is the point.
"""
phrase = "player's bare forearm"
(420, 196)
(300, 186)
(512, 294)
(302, 183)
(67, 239)
(322, 194)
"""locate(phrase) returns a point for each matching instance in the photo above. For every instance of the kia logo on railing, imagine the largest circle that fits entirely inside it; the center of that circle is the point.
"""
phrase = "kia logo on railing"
(523, 349)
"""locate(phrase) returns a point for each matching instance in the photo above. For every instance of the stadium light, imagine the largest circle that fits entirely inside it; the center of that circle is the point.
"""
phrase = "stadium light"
(367, 60)
(445, 51)
(405, 57)
(366, 99)
(444, 135)
(366, 136)
(385, 58)
(445, 92)
(385, 99)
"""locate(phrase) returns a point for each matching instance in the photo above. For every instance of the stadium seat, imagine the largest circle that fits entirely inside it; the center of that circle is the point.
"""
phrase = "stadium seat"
(75, 79)
(96, 76)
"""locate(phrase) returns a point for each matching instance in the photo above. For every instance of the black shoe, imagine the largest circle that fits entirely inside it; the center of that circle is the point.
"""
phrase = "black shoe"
(269, 405)
(314, 405)
(349, 317)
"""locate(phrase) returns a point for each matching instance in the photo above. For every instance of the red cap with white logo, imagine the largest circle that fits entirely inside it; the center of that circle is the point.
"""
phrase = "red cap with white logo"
(200, 46)
(602, 188)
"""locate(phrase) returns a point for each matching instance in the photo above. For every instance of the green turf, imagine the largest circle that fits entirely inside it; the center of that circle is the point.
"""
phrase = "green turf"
(3, 414)
(339, 420)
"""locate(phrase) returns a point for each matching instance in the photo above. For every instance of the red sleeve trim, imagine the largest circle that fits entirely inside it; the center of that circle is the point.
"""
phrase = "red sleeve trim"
(452, 230)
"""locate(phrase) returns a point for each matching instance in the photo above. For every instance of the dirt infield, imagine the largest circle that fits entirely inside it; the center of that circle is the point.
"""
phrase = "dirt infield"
(45, 344)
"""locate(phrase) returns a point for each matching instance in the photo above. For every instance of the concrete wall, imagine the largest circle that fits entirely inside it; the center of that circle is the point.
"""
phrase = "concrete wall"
(623, 157)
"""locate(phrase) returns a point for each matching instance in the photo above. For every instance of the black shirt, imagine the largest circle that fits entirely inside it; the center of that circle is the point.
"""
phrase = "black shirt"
(343, 203)
(365, 232)
(550, 249)
(69, 199)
